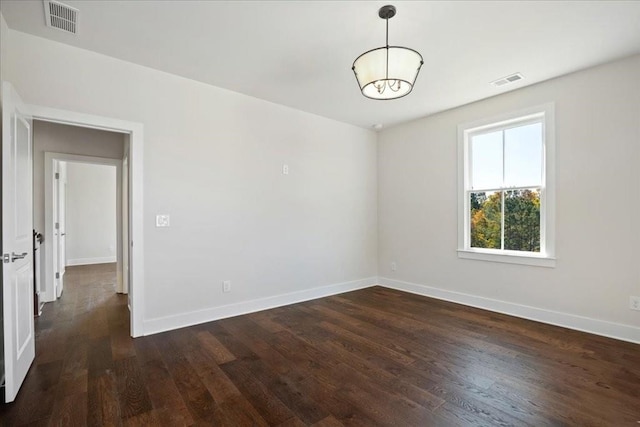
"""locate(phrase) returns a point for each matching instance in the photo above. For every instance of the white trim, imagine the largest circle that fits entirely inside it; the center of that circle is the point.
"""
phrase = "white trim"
(136, 205)
(161, 324)
(546, 112)
(89, 261)
(73, 118)
(509, 257)
(49, 264)
(580, 323)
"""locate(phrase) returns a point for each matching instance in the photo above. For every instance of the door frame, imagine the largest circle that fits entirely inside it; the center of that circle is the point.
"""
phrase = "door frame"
(136, 200)
(49, 229)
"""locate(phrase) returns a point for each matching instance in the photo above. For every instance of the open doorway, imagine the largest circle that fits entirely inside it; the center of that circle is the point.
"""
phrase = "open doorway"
(83, 218)
(62, 151)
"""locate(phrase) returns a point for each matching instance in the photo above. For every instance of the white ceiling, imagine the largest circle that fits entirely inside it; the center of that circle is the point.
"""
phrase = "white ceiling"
(299, 53)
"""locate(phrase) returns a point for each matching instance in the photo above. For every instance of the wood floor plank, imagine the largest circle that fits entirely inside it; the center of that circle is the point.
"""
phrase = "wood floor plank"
(194, 393)
(78, 384)
(70, 410)
(75, 360)
(132, 392)
(330, 421)
(168, 403)
(272, 409)
(293, 422)
(286, 389)
(103, 407)
(220, 386)
(325, 391)
(372, 357)
(100, 360)
(219, 353)
(144, 419)
(237, 411)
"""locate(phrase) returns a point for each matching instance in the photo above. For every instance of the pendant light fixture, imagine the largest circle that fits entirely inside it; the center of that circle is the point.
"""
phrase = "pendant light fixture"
(387, 72)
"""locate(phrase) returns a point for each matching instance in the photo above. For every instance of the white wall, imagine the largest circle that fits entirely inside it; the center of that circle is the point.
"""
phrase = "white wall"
(91, 214)
(598, 204)
(213, 161)
(4, 37)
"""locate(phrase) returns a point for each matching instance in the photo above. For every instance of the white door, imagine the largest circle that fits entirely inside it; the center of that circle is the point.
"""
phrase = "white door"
(125, 226)
(55, 245)
(17, 241)
(59, 245)
(61, 205)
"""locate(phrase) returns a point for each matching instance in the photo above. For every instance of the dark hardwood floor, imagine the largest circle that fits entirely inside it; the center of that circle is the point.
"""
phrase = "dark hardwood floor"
(370, 357)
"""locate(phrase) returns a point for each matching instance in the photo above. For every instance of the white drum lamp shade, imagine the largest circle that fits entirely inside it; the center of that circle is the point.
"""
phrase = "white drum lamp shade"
(387, 72)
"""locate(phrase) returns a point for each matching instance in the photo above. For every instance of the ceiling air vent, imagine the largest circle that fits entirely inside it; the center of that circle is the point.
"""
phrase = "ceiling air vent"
(506, 80)
(61, 16)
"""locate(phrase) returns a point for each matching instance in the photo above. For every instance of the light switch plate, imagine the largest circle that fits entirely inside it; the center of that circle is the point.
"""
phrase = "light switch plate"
(162, 220)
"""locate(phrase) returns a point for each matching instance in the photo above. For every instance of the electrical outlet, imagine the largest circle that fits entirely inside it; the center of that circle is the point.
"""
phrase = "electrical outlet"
(226, 286)
(285, 169)
(634, 303)
(394, 266)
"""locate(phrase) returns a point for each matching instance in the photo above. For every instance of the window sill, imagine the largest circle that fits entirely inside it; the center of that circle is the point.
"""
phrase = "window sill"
(510, 258)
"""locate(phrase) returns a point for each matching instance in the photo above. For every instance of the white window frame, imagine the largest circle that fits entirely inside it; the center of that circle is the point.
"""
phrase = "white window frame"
(547, 255)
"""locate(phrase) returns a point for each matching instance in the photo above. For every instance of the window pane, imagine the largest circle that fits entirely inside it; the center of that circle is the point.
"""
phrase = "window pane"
(523, 156)
(485, 219)
(486, 160)
(522, 220)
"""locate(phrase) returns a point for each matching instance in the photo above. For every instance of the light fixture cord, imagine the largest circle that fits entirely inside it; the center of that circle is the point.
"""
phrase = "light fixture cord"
(387, 45)
(387, 39)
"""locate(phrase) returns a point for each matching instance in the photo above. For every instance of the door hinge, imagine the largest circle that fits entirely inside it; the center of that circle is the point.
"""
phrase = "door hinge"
(57, 175)
(57, 275)
(6, 258)
(57, 225)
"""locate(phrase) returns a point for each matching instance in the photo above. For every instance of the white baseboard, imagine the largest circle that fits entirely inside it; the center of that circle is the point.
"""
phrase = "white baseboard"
(161, 324)
(87, 261)
(571, 321)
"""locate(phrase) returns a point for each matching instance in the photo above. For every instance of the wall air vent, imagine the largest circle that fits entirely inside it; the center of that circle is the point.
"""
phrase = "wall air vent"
(61, 16)
(506, 80)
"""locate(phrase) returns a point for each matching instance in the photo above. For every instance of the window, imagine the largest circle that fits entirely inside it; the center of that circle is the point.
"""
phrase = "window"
(506, 188)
